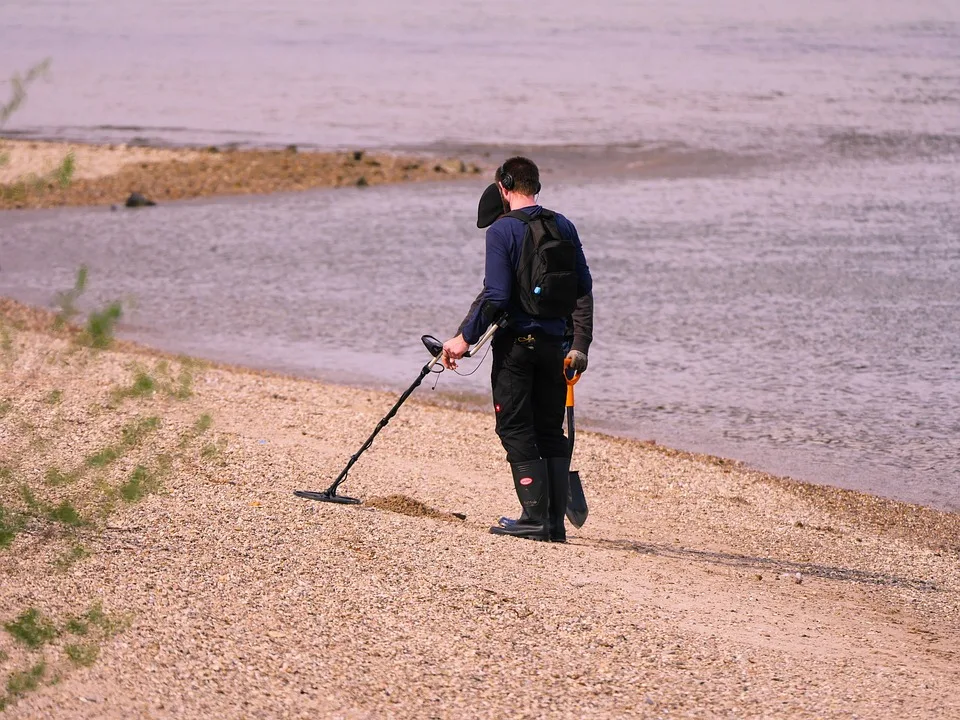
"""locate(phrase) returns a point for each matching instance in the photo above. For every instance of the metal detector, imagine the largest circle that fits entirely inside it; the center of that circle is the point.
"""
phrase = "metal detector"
(435, 348)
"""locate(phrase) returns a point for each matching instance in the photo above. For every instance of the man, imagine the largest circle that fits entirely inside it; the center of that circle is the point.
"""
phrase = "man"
(579, 328)
(528, 356)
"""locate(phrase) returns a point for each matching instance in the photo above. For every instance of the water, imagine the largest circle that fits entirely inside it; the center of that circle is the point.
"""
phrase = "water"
(768, 202)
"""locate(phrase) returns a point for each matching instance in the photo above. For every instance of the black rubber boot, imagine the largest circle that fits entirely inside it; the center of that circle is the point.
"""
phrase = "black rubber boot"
(532, 482)
(504, 521)
(558, 469)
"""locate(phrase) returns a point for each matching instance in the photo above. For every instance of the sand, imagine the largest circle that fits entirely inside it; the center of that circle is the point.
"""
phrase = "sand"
(108, 174)
(697, 587)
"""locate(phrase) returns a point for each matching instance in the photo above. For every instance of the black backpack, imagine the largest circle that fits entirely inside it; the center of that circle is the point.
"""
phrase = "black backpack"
(547, 282)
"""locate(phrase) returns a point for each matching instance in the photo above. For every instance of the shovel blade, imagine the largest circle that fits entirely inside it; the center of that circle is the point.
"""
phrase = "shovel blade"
(576, 503)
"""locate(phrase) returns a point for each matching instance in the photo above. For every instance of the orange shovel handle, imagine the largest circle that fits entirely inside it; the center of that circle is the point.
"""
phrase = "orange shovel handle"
(570, 377)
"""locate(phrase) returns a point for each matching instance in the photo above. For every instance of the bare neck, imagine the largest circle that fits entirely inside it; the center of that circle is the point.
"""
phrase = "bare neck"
(518, 202)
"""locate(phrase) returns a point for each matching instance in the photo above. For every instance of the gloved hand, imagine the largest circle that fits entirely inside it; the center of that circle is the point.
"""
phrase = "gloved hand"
(578, 361)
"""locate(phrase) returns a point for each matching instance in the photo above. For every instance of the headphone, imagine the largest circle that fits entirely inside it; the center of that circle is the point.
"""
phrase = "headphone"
(506, 179)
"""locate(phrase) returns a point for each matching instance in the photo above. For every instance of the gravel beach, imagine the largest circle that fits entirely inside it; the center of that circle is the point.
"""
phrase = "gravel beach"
(697, 588)
(108, 174)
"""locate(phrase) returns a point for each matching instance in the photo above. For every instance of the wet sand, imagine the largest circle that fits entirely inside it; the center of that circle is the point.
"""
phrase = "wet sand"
(108, 174)
(697, 588)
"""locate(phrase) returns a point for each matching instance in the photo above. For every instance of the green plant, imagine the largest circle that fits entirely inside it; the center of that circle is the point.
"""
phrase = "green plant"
(21, 682)
(83, 655)
(5, 407)
(11, 523)
(63, 174)
(103, 457)
(75, 553)
(67, 299)
(100, 326)
(109, 624)
(55, 477)
(6, 340)
(34, 506)
(133, 432)
(19, 84)
(184, 389)
(77, 626)
(55, 397)
(67, 514)
(32, 629)
(141, 483)
(143, 384)
(209, 451)
(203, 423)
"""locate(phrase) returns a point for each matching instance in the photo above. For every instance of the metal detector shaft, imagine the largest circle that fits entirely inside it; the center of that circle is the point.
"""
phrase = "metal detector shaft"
(332, 490)
(501, 321)
(330, 494)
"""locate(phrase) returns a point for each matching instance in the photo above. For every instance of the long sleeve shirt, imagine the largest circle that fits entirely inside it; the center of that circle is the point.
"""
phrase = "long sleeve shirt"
(504, 241)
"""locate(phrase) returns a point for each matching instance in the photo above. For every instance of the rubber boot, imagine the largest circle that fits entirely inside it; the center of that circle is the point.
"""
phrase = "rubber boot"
(504, 521)
(558, 470)
(532, 482)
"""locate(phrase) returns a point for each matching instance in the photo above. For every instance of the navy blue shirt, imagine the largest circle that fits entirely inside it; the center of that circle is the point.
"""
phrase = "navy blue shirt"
(504, 242)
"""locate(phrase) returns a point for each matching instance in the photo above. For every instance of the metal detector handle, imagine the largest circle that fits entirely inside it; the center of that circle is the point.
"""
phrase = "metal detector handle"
(499, 323)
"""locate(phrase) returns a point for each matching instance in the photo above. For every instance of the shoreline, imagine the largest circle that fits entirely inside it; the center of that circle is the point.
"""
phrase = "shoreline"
(109, 174)
(147, 499)
(855, 503)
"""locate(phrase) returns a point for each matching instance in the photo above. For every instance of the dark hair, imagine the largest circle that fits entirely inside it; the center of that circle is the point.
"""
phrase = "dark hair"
(519, 174)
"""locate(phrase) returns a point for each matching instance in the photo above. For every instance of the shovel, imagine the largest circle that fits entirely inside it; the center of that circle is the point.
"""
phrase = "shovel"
(576, 503)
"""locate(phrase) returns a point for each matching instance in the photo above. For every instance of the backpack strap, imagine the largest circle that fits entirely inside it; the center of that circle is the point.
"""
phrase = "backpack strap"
(519, 215)
(545, 215)
(545, 221)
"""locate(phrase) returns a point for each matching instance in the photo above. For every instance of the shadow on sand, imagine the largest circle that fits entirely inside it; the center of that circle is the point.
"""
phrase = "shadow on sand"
(752, 562)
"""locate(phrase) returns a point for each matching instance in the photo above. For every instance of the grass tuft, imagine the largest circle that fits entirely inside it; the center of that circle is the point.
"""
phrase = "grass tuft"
(184, 389)
(82, 655)
(56, 477)
(101, 325)
(143, 385)
(140, 484)
(109, 624)
(22, 682)
(5, 407)
(31, 629)
(55, 397)
(67, 514)
(67, 299)
(34, 506)
(11, 523)
(103, 457)
(77, 626)
(203, 423)
(135, 431)
(209, 451)
(75, 553)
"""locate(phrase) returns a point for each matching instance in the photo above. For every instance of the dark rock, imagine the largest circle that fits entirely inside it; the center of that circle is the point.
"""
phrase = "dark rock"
(358, 155)
(139, 200)
(362, 182)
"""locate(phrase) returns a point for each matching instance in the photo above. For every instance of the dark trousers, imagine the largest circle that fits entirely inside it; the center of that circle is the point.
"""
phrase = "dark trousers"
(529, 397)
